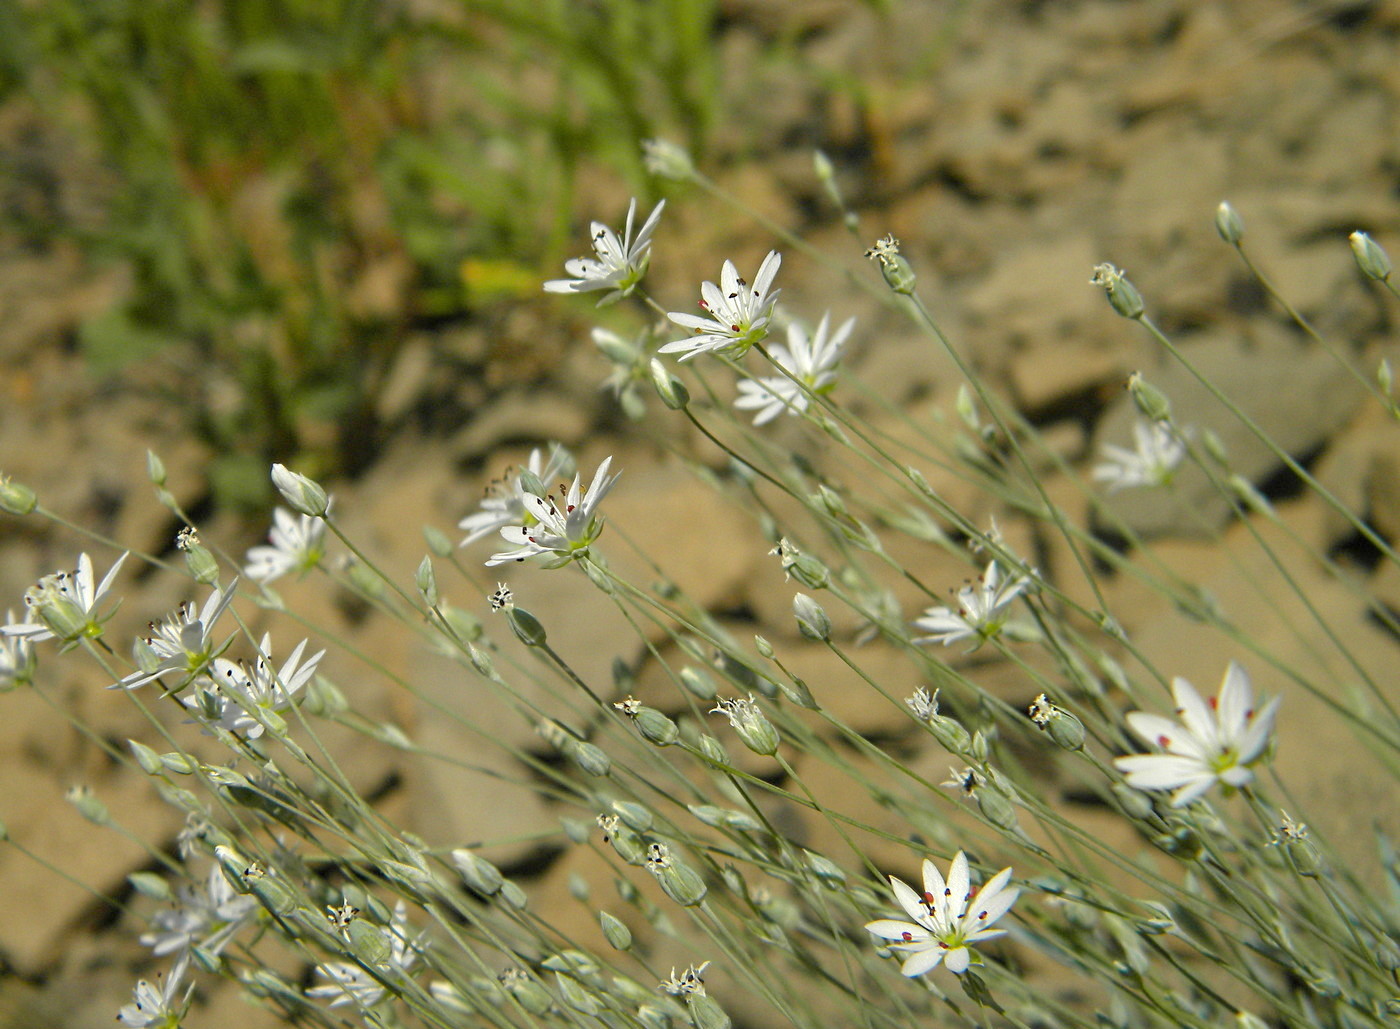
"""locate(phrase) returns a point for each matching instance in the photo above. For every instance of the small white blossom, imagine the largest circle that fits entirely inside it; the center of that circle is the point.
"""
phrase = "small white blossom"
(65, 604)
(689, 982)
(17, 658)
(237, 696)
(1160, 451)
(158, 1007)
(738, 314)
(619, 264)
(979, 615)
(504, 503)
(943, 924)
(809, 360)
(501, 597)
(295, 543)
(923, 704)
(207, 916)
(1215, 741)
(967, 780)
(564, 527)
(183, 642)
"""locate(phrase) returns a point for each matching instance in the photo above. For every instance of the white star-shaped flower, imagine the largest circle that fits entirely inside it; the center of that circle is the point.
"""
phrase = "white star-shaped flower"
(810, 360)
(182, 643)
(295, 543)
(1160, 451)
(1215, 741)
(738, 313)
(619, 264)
(352, 984)
(204, 916)
(237, 697)
(158, 1007)
(979, 614)
(565, 527)
(504, 503)
(65, 604)
(943, 924)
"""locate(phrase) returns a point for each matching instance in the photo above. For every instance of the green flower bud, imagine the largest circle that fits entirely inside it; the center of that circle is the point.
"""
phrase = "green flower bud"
(301, 494)
(1370, 258)
(798, 692)
(705, 1012)
(764, 648)
(530, 995)
(426, 581)
(527, 628)
(634, 816)
(950, 733)
(654, 726)
(272, 894)
(480, 875)
(512, 896)
(591, 759)
(721, 817)
(824, 868)
(812, 621)
(810, 572)
(1148, 399)
(678, 880)
(1228, 224)
(1122, 294)
(324, 698)
(148, 884)
(1135, 803)
(997, 809)
(368, 942)
(667, 160)
(203, 566)
(698, 683)
(147, 758)
(180, 764)
(615, 931)
(669, 388)
(575, 996)
(751, 724)
(438, 543)
(155, 468)
(711, 749)
(82, 798)
(1182, 842)
(16, 498)
(576, 829)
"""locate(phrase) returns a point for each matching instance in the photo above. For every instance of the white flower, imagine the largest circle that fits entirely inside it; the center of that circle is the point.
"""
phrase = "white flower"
(943, 923)
(689, 982)
(504, 503)
(296, 543)
(17, 658)
(182, 642)
(65, 604)
(978, 616)
(207, 917)
(809, 360)
(1215, 741)
(1160, 451)
(239, 699)
(158, 1007)
(619, 264)
(738, 314)
(564, 527)
(352, 984)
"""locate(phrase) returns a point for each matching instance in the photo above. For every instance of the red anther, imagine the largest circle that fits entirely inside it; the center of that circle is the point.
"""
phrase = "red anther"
(1214, 703)
(908, 937)
(928, 899)
(1164, 741)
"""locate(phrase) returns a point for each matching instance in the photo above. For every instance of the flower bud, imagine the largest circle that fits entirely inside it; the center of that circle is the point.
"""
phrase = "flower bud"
(527, 628)
(82, 798)
(667, 160)
(812, 621)
(147, 758)
(16, 498)
(950, 733)
(678, 880)
(575, 995)
(1370, 258)
(590, 758)
(824, 868)
(530, 995)
(512, 896)
(1135, 803)
(997, 809)
(721, 817)
(1148, 399)
(617, 934)
(670, 389)
(1121, 293)
(656, 727)
(711, 749)
(149, 884)
(438, 543)
(751, 724)
(301, 494)
(698, 683)
(636, 816)
(1228, 224)
(481, 875)
(155, 468)
(368, 942)
(705, 1012)
(798, 692)
(809, 571)
(426, 581)
(764, 648)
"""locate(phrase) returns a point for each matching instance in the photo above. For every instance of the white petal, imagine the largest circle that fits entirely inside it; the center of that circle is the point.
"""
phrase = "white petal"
(890, 929)
(957, 888)
(1192, 791)
(1161, 771)
(1195, 713)
(1234, 702)
(1256, 738)
(908, 899)
(957, 960)
(922, 961)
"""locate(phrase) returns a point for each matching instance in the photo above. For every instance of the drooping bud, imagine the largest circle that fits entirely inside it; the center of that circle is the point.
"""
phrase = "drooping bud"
(16, 498)
(481, 875)
(615, 931)
(1148, 399)
(1228, 224)
(1121, 293)
(1370, 258)
(671, 390)
(527, 628)
(812, 621)
(301, 494)
(667, 160)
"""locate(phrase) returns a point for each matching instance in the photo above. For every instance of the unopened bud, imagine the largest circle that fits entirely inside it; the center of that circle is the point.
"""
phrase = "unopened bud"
(1370, 258)
(481, 875)
(438, 543)
(426, 581)
(667, 160)
(751, 724)
(527, 628)
(997, 809)
(155, 468)
(812, 621)
(1228, 224)
(1148, 399)
(705, 1012)
(670, 389)
(147, 758)
(950, 733)
(698, 683)
(617, 934)
(301, 494)
(82, 798)
(590, 758)
(16, 498)
(1121, 293)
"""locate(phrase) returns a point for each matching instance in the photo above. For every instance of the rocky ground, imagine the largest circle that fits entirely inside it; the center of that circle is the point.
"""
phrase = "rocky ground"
(1044, 138)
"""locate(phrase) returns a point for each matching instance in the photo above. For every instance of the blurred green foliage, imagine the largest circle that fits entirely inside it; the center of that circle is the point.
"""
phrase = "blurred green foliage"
(295, 185)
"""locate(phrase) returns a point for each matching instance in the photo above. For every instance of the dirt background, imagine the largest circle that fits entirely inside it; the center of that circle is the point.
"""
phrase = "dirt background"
(1050, 137)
